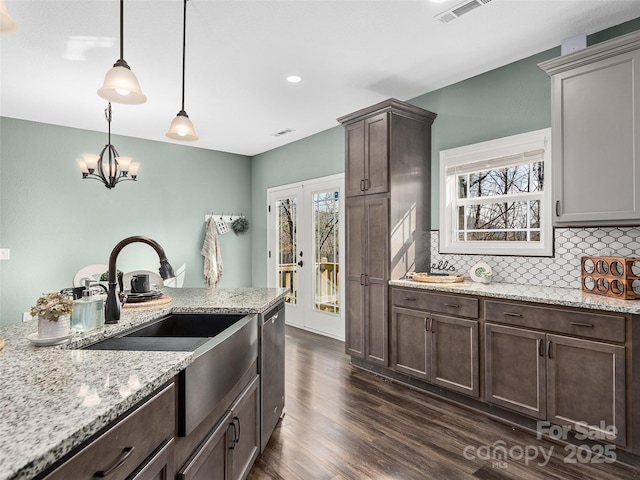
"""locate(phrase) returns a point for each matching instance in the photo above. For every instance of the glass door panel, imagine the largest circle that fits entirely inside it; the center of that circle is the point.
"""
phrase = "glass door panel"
(326, 286)
(286, 228)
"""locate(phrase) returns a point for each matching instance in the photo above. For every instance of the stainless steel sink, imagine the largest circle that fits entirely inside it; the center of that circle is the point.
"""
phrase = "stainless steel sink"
(178, 332)
(225, 348)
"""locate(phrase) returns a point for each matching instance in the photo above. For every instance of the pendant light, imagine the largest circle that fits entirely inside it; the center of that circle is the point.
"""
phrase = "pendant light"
(115, 169)
(120, 83)
(181, 127)
(7, 23)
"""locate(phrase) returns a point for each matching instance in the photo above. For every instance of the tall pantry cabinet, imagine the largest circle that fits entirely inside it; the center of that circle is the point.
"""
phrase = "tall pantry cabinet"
(388, 217)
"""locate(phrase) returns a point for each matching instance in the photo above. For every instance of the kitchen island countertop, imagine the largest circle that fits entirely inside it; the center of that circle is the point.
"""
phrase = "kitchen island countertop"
(568, 297)
(55, 398)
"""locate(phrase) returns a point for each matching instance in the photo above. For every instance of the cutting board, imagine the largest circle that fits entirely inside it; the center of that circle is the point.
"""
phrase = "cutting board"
(156, 302)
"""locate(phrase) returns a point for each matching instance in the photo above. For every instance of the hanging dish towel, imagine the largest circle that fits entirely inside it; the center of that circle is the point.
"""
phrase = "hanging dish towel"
(212, 255)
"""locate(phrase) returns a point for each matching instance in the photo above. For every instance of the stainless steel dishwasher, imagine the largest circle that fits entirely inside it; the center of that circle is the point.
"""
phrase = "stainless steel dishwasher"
(271, 371)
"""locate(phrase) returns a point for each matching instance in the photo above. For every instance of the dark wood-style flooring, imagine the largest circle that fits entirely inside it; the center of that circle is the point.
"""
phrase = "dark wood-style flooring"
(345, 423)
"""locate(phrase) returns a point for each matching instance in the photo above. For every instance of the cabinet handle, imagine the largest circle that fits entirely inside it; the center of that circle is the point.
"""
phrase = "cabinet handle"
(366, 184)
(578, 324)
(362, 279)
(540, 347)
(366, 280)
(237, 419)
(126, 453)
(235, 434)
(411, 299)
(362, 185)
(549, 349)
(426, 323)
(511, 314)
(452, 305)
(432, 326)
(557, 208)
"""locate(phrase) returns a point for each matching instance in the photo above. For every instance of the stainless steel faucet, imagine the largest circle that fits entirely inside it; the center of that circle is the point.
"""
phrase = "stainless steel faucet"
(114, 304)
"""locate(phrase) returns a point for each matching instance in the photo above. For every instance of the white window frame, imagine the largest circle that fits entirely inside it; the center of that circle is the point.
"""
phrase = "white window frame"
(465, 158)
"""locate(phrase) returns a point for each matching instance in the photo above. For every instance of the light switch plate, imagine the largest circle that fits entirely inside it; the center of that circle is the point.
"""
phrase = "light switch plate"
(5, 253)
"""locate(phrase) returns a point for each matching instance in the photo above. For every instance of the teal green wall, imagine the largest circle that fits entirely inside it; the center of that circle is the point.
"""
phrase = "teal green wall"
(506, 101)
(56, 223)
(315, 156)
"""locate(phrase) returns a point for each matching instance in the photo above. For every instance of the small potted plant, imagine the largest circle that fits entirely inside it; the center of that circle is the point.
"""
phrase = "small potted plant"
(53, 311)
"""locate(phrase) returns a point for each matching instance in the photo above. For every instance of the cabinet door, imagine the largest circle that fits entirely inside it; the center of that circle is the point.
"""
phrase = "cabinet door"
(159, 467)
(376, 172)
(377, 280)
(354, 276)
(209, 461)
(409, 342)
(596, 150)
(586, 383)
(454, 354)
(515, 363)
(245, 444)
(354, 159)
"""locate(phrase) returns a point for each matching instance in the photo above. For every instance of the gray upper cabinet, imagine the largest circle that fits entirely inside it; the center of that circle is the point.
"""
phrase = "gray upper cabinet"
(595, 119)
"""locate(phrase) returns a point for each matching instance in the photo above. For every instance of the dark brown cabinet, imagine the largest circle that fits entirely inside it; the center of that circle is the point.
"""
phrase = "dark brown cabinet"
(440, 349)
(367, 157)
(387, 177)
(229, 450)
(136, 446)
(367, 278)
(565, 380)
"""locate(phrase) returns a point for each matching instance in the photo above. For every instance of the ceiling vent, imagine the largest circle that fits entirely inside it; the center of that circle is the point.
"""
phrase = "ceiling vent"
(459, 10)
(283, 132)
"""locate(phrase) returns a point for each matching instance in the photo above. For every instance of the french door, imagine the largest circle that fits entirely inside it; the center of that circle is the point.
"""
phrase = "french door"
(305, 238)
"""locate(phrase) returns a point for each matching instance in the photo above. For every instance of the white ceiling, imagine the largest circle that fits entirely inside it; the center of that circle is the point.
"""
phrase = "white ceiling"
(350, 54)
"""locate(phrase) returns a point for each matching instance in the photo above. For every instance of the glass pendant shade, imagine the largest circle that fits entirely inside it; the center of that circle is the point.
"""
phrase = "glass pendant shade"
(7, 23)
(121, 86)
(181, 128)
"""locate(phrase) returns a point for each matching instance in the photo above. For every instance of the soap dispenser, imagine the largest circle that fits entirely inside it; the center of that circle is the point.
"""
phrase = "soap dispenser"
(88, 312)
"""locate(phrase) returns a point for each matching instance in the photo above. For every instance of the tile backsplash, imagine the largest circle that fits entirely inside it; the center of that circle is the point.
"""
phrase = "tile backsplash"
(561, 270)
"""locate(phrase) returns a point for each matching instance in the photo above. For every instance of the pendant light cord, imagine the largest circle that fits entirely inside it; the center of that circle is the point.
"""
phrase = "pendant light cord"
(184, 46)
(121, 29)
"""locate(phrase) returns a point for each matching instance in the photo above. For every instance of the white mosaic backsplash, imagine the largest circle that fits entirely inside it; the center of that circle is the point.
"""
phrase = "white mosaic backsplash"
(561, 270)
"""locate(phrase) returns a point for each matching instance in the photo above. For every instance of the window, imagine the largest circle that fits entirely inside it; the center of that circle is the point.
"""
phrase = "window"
(495, 197)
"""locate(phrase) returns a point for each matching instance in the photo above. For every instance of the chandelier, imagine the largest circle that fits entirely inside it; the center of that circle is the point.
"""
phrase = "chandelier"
(110, 169)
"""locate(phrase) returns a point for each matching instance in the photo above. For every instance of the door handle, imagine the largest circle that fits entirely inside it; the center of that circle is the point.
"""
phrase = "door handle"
(300, 263)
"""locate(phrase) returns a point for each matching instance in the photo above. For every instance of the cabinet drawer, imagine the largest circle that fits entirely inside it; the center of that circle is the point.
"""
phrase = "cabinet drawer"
(580, 323)
(125, 446)
(458, 305)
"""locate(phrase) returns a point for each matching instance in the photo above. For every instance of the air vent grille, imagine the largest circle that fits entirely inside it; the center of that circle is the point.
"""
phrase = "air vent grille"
(283, 132)
(459, 10)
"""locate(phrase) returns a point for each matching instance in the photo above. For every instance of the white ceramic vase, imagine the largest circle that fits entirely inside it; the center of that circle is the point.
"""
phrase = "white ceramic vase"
(53, 327)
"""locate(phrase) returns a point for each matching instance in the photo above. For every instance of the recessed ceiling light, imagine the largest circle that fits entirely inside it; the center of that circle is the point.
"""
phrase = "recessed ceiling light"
(294, 79)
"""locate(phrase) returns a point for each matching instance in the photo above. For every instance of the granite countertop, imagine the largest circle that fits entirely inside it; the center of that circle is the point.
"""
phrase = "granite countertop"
(54, 398)
(568, 297)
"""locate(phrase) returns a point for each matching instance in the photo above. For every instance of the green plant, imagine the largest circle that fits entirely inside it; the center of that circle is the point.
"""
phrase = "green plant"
(240, 225)
(52, 305)
(105, 276)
